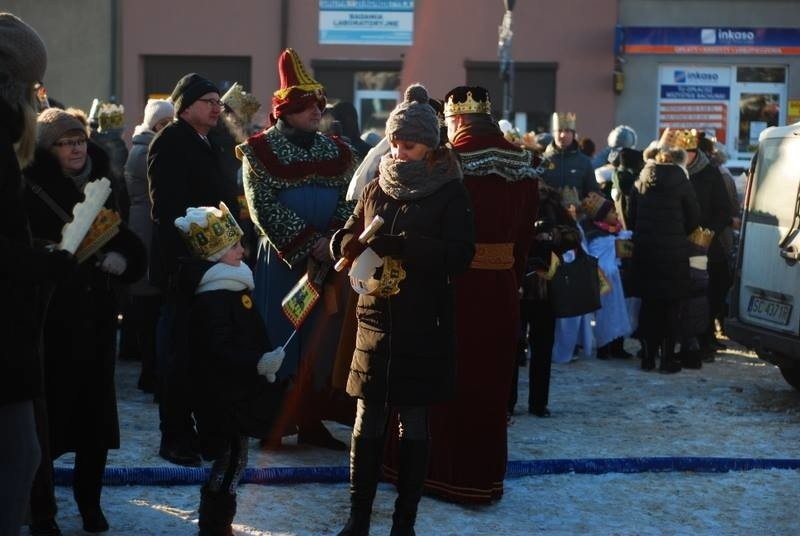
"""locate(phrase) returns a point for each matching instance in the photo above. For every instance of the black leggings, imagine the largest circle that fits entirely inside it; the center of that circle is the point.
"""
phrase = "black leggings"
(228, 469)
(372, 419)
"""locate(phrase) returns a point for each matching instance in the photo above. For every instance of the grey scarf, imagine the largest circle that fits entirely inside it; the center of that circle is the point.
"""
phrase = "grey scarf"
(412, 179)
(82, 177)
(700, 162)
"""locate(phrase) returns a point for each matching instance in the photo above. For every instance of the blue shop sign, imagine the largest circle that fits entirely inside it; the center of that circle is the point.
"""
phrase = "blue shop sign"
(708, 40)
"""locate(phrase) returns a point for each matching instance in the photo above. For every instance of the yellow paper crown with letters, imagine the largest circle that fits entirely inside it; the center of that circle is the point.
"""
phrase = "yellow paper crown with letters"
(563, 121)
(209, 232)
(243, 104)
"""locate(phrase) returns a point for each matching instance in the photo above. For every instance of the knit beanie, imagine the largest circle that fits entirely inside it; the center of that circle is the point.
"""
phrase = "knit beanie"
(190, 88)
(22, 52)
(53, 123)
(414, 119)
(155, 111)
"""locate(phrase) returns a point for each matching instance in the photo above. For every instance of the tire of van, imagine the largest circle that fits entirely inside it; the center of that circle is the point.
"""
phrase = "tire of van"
(792, 376)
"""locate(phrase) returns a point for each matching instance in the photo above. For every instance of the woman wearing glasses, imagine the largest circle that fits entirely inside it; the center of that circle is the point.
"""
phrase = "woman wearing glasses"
(80, 325)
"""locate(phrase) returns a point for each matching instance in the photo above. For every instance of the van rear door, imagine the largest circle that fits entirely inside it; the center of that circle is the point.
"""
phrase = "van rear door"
(769, 292)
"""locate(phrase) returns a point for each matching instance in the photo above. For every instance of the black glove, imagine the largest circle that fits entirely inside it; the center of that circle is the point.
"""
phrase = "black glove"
(60, 265)
(387, 245)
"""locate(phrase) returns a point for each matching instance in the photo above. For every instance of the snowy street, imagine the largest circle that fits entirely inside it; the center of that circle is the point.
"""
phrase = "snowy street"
(737, 407)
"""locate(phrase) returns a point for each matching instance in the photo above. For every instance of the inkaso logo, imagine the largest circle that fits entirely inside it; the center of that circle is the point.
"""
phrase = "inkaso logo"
(694, 77)
(735, 35)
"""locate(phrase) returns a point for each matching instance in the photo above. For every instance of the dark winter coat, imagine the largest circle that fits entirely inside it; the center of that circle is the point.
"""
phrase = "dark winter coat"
(182, 171)
(227, 338)
(715, 206)
(139, 220)
(23, 269)
(405, 344)
(569, 168)
(663, 211)
(80, 326)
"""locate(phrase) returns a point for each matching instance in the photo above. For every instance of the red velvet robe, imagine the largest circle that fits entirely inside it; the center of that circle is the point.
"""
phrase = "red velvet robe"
(468, 434)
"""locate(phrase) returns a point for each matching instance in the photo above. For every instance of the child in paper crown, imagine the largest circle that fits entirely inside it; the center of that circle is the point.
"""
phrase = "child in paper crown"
(602, 229)
(232, 362)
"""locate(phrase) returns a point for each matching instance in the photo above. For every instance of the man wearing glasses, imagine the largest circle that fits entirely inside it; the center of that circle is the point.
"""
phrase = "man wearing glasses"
(183, 171)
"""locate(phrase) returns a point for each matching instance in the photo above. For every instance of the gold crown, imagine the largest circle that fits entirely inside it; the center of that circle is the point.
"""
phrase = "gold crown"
(219, 232)
(242, 103)
(678, 138)
(469, 106)
(592, 204)
(110, 116)
(701, 237)
(563, 121)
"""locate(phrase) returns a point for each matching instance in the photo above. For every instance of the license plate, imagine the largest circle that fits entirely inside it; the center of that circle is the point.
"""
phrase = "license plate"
(769, 310)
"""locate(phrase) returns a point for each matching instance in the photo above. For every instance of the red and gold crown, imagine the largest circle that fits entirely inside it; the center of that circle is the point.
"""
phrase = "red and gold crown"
(209, 231)
(297, 87)
(677, 138)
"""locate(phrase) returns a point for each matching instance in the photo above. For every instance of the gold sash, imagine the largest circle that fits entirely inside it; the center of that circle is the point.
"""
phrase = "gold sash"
(493, 256)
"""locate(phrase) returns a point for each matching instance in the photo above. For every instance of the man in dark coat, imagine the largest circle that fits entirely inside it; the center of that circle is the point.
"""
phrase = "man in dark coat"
(566, 168)
(715, 214)
(183, 170)
(23, 269)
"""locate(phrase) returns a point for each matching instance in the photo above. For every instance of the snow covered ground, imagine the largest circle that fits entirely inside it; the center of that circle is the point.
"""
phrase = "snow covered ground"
(737, 407)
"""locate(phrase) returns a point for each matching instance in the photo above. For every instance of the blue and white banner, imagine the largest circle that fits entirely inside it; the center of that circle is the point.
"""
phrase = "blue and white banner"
(366, 22)
(709, 40)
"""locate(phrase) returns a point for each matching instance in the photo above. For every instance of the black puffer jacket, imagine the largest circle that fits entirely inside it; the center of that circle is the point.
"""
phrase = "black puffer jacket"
(405, 344)
(663, 211)
(714, 202)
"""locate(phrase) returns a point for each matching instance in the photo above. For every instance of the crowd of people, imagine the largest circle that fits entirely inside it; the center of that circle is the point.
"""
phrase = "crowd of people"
(265, 273)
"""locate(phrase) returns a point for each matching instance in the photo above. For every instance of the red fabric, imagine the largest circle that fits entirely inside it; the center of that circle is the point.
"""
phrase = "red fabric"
(301, 170)
(468, 435)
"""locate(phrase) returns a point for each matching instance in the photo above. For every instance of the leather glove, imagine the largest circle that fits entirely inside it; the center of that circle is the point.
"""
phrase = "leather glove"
(351, 247)
(113, 263)
(387, 245)
(270, 362)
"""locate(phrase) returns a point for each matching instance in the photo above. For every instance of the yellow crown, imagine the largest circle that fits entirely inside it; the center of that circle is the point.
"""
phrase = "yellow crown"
(110, 116)
(563, 121)
(242, 103)
(469, 106)
(701, 237)
(209, 232)
(678, 138)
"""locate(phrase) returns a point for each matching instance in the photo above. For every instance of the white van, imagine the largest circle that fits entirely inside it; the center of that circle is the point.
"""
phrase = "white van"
(765, 299)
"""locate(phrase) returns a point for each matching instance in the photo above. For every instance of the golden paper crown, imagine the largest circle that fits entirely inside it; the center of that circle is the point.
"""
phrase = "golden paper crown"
(208, 231)
(110, 116)
(242, 103)
(104, 227)
(592, 204)
(701, 237)
(563, 121)
(469, 106)
(678, 138)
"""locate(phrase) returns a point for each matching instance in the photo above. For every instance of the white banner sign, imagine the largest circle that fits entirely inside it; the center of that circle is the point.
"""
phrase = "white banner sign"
(366, 22)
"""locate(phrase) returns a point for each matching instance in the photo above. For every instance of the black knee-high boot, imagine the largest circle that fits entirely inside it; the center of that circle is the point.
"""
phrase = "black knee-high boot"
(650, 347)
(413, 467)
(217, 510)
(86, 487)
(365, 464)
(668, 362)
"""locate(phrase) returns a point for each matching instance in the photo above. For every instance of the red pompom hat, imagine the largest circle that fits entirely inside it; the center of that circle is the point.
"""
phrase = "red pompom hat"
(297, 87)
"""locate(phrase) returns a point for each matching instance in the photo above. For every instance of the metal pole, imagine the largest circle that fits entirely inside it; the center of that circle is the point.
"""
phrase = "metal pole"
(505, 36)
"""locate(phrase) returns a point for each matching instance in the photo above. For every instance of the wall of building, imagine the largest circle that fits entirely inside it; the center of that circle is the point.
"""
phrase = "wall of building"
(78, 36)
(637, 105)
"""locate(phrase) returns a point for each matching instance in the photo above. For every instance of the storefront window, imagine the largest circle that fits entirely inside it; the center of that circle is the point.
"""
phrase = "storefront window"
(774, 75)
(757, 111)
(377, 93)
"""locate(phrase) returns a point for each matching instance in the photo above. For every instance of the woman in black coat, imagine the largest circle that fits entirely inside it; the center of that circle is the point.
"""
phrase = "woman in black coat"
(404, 357)
(663, 211)
(80, 326)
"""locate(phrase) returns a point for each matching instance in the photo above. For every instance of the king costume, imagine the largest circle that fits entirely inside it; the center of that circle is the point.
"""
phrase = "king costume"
(469, 449)
(295, 184)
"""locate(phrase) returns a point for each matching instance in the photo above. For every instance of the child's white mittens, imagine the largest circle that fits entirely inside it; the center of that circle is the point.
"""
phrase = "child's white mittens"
(270, 362)
(113, 263)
